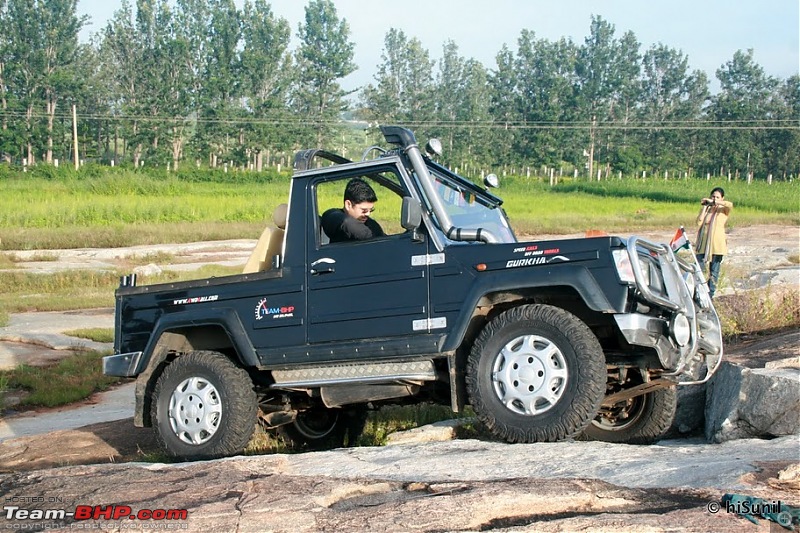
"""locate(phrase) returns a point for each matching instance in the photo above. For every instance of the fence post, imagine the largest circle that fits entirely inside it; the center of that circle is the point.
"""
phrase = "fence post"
(75, 134)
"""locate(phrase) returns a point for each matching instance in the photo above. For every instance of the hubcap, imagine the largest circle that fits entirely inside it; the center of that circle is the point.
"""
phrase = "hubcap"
(529, 375)
(195, 410)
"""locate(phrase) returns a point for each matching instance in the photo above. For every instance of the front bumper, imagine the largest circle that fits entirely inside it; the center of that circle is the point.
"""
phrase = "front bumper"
(688, 358)
(123, 364)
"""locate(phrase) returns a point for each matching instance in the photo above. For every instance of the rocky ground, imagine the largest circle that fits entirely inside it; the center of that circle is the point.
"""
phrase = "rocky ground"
(450, 485)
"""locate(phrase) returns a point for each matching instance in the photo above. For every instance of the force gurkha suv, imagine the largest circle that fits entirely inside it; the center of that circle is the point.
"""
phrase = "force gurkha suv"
(546, 340)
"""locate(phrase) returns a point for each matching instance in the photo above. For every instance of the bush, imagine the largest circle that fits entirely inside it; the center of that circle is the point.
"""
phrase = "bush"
(758, 311)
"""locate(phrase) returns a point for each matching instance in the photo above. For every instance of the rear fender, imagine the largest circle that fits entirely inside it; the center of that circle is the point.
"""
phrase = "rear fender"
(184, 327)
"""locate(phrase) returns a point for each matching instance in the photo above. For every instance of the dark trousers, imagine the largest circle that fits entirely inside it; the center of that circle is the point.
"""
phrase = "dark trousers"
(713, 271)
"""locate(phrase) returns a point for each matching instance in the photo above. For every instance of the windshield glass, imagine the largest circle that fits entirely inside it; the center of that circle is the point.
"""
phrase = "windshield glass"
(469, 210)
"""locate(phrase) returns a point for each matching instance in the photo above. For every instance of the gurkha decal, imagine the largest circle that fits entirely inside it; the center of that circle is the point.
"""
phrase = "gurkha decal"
(532, 261)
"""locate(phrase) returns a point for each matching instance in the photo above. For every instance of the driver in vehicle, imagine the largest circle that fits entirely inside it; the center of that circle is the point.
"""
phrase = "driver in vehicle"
(352, 222)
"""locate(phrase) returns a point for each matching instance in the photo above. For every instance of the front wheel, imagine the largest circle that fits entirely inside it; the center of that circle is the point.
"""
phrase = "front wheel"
(322, 428)
(536, 373)
(203, 407)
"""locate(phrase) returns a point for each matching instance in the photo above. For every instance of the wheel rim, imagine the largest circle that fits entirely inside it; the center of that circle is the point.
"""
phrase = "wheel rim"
(620, 416)
(195, 410)
(316, 423)
(529, 375)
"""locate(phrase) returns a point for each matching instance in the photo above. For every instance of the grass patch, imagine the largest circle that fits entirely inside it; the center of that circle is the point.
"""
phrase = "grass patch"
(757, 311)
(23, 292)
(130, 208)
(393, 418)
(82, 289)
(8, 260)
(93, 334)
(3, 389)
(72, 379)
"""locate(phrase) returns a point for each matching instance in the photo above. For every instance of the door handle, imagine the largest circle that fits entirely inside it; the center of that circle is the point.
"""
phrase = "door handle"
(322, 266)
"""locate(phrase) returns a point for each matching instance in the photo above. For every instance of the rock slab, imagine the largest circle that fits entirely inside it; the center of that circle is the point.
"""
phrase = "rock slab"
(743, 402)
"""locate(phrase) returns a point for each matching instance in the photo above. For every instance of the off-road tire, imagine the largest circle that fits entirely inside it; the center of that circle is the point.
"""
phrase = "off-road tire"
(219, 405)
(563, 352)
(651, 416)
(323, 428)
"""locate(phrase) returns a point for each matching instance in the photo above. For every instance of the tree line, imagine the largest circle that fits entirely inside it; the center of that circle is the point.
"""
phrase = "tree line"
(178, 82)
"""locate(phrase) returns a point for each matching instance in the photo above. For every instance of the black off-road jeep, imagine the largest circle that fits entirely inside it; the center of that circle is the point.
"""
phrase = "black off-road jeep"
(546, 340)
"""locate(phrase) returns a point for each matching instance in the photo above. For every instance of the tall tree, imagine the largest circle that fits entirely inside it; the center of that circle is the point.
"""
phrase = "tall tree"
(546, 81)
(220, 92)
(744, 101)
(671, 96)
(403, 92)
(60, 26)
(475, 138)
(6, 133)
(503, 105)
(782, 155)
(121, 53)
(325, 55)
(607, 69)
(266, 76)
(40, 47)
(449, 92)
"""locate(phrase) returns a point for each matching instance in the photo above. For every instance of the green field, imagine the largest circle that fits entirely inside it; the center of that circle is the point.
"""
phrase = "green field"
(104, 207)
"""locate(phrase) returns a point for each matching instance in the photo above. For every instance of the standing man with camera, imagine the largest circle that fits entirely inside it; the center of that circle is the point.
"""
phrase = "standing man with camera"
(711, 240)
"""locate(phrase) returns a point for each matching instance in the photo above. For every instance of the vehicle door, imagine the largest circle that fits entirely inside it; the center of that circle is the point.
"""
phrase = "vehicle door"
(372, 289)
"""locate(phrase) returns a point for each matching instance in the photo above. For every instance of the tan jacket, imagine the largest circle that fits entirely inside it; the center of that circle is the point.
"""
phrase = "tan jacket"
(711, 221)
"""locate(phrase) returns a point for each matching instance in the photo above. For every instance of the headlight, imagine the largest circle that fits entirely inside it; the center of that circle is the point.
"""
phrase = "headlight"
(681, 329)
(646, 267)
(652, 276)
(623, 264)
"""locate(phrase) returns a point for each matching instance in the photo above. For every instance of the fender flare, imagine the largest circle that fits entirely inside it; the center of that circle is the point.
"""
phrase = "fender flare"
(577, 277)
(225, 318)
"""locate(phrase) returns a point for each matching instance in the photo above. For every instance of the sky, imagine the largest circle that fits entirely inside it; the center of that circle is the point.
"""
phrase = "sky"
(709, 32)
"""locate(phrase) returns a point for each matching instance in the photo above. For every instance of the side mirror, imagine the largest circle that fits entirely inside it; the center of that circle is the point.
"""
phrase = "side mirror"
(410, 214)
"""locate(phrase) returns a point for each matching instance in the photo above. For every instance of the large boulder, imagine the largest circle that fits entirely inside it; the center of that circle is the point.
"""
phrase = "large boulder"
(761, 402)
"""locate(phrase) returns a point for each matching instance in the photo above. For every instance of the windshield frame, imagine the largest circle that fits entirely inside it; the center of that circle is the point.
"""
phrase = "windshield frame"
(468, 196)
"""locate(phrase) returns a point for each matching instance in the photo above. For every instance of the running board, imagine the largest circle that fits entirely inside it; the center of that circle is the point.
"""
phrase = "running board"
(318, 376)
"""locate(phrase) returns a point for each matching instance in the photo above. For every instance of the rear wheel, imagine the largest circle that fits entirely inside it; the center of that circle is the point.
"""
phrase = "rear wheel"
(536, 373)
(643, 419)
(322, 428)
(203, 407)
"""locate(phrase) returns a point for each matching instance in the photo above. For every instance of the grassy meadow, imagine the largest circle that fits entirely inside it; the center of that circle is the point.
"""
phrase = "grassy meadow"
(104, 207)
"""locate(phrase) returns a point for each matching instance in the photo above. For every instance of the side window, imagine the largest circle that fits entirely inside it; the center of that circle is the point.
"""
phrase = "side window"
(385, 211)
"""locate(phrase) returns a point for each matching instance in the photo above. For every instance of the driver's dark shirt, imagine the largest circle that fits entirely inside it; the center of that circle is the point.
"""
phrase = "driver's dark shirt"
(341, 227)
